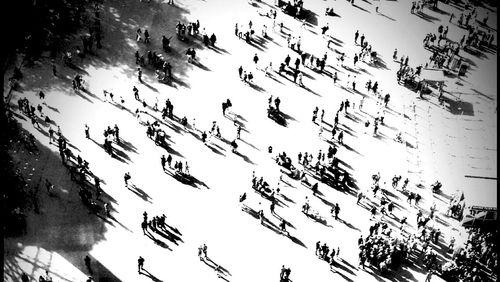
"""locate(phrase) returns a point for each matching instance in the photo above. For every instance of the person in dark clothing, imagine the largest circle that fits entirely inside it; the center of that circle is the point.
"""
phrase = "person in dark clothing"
(213, 38)
(87, 264)
(140, 264)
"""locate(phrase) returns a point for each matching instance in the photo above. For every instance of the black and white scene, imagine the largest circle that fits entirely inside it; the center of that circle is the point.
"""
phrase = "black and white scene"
(249, 141)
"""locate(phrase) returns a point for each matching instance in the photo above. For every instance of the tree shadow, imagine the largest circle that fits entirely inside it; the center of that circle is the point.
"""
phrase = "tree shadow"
(53, 215)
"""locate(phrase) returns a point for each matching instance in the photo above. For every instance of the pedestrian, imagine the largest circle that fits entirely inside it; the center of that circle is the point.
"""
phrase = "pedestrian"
(240, 72)
(140, 264)
(139, 74)
(87, 264)
(255, 59)
(54, 69)
(429, 275)
(238, 132)
(204, 249)
(341, 137)
(24, 277)
(163, 162)
(336, 210)
(126, 178)
(87, 135)
(107, 210)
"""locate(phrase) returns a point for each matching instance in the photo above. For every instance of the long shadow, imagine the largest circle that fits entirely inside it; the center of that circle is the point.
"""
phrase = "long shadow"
(286, 198)
(188, 179)
(342, 275)
(249, 144)
(245, 158)
(310, 17)
(219, 50)
(169, 236)
(362, 9)
(139, 192)
(149, 86)
(348, 224)
(256, 87)
(385, 16)
(351, 149)
(148, 274)
(343, 163)
(344, 268)
(426, 17)
(214, 149)
(127, 146)
(439, 11)
(200, 65)
(120, 155)
(157, 241)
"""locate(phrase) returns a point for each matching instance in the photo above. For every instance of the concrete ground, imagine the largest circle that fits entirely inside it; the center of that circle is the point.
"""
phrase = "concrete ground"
(441, 142)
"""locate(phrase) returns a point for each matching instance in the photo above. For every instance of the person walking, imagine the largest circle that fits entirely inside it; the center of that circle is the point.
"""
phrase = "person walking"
(163, 162)
(429, 275)
(140, 264)
(139, 74)
(87, 135)
(54, 69)
(336, 210)
(87, 264)
(204, 249)
(126, 178)
(341, 138)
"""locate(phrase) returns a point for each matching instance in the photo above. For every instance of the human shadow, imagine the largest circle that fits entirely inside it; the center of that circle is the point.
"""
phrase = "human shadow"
(348, 224)
(187, 179)
(426, 17)
(200, 65)
(362, 9)
(256, 87)
(148, 274)
(387, 17)
(127, 146)
(149, 86)
(139, 192)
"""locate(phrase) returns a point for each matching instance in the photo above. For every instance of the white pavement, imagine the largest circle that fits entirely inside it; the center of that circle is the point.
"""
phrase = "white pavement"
(445, 146)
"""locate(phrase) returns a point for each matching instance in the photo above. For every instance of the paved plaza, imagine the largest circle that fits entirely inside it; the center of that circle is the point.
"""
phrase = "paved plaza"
(453, 140)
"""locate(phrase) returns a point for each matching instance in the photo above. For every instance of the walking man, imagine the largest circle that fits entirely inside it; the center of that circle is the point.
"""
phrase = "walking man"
(87, 264)
(87, 135)
(163, 162)
(140, 264)
(139, 74)
(341, 137)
